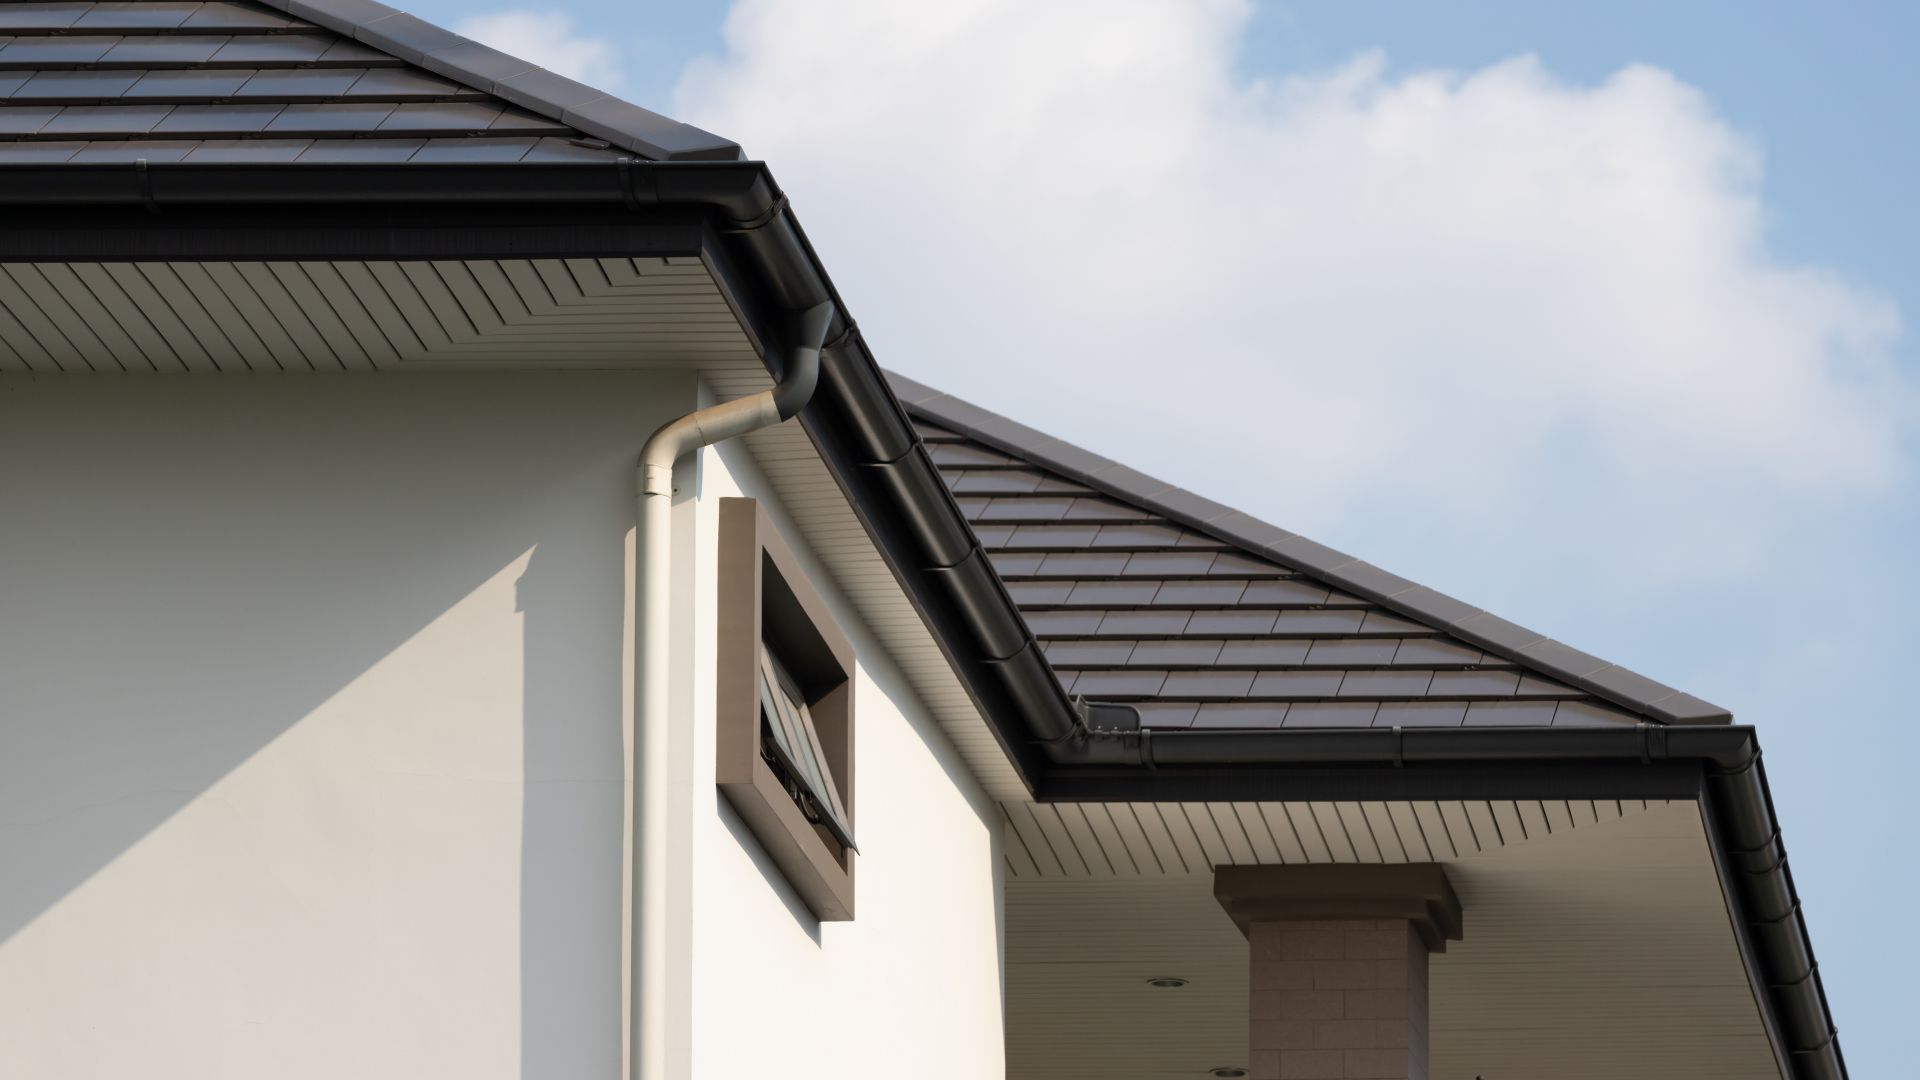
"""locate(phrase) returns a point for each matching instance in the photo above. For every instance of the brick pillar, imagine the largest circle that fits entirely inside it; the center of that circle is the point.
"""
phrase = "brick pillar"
(1338, 966)
(1338, 1000)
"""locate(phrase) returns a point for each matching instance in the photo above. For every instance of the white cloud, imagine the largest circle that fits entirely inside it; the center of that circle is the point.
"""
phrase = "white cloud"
(547, 38)
(1480, 304)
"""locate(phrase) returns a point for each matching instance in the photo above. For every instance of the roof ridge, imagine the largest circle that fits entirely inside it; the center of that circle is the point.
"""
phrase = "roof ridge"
(528, 85)
(1441, 612)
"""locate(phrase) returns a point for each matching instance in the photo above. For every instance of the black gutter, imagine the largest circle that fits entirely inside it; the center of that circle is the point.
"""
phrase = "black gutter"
(861, 430)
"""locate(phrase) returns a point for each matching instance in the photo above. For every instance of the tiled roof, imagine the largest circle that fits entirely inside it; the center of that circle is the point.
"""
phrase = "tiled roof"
(1203, 617)
(321, 81)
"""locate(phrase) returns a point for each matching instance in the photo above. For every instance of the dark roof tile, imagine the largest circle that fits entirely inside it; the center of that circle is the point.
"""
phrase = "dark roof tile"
(342, 116)
(1510, 713)
(440, 116)
(1040, 592)
(1385, 684)
(1379, 622)
(1289, 618)
(1207, 684)
(219, 119)
(474, 150)
(1077, 654)
(1053, 537)
(1233, 623)
(145, 16)
(1338, 652)
(1421, 714)
(1113, 593)
(248, 150)
(1331, 714)
(1267, 652)
(1477, 684)
(105, 120)
(1590, 714)
(1166, 714)
(16, 120)
(185, 49)
(265, 53)
(1168, 563)
(1179, 652)
(1093, 508)
(1084, 564)
(1296, 623)
(1532, 685)
(1200, 593)
(1240, 714)
(1288, 592)
(1435, 652)
(1145, 623)
(1296, 684)
(61, 49)
(1064, 623)
(78, 84)
(357, 150)
(49, 16)
(1136, 536)
(1122, 683)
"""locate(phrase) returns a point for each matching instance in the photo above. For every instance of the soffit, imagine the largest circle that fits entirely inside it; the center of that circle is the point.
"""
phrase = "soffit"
(1596, 952)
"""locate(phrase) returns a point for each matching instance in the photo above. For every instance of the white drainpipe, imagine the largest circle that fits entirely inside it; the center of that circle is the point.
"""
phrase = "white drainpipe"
(653, 720)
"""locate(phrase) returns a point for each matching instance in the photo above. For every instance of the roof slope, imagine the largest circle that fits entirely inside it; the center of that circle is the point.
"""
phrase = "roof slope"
(1204, 617)
(312, 81)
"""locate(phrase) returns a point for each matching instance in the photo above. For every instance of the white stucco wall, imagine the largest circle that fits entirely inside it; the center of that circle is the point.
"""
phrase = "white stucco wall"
(311, 765)
(911, 986)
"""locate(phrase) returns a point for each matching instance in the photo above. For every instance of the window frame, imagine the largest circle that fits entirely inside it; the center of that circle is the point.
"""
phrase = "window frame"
(764, 595)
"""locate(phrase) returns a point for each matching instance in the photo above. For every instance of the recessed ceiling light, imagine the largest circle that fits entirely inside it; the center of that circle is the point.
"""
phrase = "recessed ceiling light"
(1167, 982)
(1227, 1070)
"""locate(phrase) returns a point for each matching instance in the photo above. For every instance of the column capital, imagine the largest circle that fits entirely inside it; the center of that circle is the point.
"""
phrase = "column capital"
(1416, 892)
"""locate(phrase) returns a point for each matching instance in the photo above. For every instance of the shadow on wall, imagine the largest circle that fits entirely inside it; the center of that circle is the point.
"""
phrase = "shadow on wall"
(193, 567)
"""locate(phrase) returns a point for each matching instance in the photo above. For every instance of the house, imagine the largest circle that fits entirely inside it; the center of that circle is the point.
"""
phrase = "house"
(474, 605)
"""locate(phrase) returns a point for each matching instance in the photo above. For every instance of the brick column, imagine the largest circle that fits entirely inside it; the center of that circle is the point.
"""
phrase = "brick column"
(1338, 966)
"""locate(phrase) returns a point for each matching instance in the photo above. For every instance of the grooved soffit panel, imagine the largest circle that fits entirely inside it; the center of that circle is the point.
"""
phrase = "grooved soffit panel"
(1203, 616)
(306, 81)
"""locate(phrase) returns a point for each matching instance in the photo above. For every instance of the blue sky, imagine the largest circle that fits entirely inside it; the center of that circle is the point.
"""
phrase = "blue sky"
(1653, 279)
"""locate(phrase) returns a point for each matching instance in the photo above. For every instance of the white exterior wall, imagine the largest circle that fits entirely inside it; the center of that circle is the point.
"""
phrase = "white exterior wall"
(911, 986)
(311, 763)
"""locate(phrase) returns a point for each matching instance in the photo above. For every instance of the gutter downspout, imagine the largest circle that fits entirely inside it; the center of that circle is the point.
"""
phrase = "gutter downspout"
(653, 721)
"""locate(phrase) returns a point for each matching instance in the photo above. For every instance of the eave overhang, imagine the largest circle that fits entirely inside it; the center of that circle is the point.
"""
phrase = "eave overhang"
(734, 216)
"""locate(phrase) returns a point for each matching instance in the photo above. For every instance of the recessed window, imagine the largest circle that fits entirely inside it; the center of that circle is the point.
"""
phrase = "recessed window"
(791, 744)
(784, 699)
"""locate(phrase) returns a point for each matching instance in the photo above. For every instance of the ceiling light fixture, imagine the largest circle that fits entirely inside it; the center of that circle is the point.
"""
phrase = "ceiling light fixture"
(1227, 1070)
(1167, 982)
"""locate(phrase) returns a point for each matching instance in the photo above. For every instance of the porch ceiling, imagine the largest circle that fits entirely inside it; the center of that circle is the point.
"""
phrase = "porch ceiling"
(1595, 951)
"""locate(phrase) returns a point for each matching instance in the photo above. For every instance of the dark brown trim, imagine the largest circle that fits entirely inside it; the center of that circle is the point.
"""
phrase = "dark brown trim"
(764, 594)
